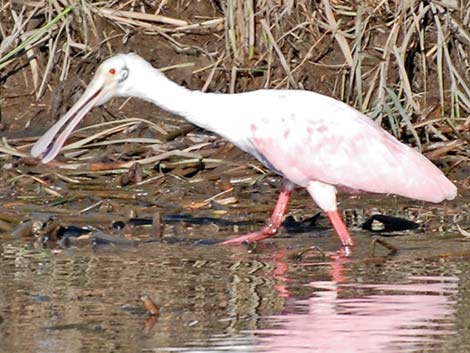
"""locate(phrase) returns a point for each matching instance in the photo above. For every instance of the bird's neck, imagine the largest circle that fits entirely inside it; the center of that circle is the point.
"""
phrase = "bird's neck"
(195, 106)
(229, 115)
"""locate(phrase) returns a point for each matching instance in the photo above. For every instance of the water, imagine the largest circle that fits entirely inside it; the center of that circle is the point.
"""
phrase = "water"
(219, 299)
(232, 299)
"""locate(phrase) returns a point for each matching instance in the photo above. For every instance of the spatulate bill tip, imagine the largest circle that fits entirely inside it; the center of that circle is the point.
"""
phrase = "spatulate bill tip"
(50, 153)
(44, 154)
(36, 151)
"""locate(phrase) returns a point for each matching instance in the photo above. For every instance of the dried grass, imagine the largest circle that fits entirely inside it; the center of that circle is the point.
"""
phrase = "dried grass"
(390, 59)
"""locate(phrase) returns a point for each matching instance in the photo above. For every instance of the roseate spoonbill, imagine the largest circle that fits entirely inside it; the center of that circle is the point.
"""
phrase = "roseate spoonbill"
(311, 140)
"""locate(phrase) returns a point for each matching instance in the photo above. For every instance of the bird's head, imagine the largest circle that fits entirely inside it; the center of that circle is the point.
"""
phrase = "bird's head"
(118, 76)
(109, 80)
(114, 77)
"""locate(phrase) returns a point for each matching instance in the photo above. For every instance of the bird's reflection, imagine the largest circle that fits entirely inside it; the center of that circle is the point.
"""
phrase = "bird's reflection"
(347, 316)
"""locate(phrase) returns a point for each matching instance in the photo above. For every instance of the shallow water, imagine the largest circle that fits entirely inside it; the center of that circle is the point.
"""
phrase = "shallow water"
(231, 299)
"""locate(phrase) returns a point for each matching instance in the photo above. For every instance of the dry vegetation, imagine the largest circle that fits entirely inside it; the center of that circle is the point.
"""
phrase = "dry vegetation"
(404, 63)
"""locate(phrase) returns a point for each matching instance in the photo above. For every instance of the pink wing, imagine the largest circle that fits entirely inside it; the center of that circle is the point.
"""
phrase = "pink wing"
(345, 148)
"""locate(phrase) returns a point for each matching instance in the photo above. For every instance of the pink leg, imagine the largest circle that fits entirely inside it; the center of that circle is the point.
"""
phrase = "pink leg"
(274, 223)
(340, 227)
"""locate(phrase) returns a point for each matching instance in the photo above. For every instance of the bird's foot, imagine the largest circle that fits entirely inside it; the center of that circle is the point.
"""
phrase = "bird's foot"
(344, 251)
(253, 237)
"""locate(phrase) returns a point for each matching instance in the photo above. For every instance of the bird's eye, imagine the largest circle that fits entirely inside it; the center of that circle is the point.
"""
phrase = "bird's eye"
(112, 71)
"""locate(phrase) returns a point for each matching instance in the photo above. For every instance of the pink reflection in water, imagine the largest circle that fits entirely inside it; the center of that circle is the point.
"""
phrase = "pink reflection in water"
(389, 318)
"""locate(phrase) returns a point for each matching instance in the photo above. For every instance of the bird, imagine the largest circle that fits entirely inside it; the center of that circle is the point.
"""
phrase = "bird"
(309, 139)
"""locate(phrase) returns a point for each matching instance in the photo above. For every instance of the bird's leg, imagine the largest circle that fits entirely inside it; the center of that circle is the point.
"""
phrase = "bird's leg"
(325, 197)
(274, 223)
(340, 228)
